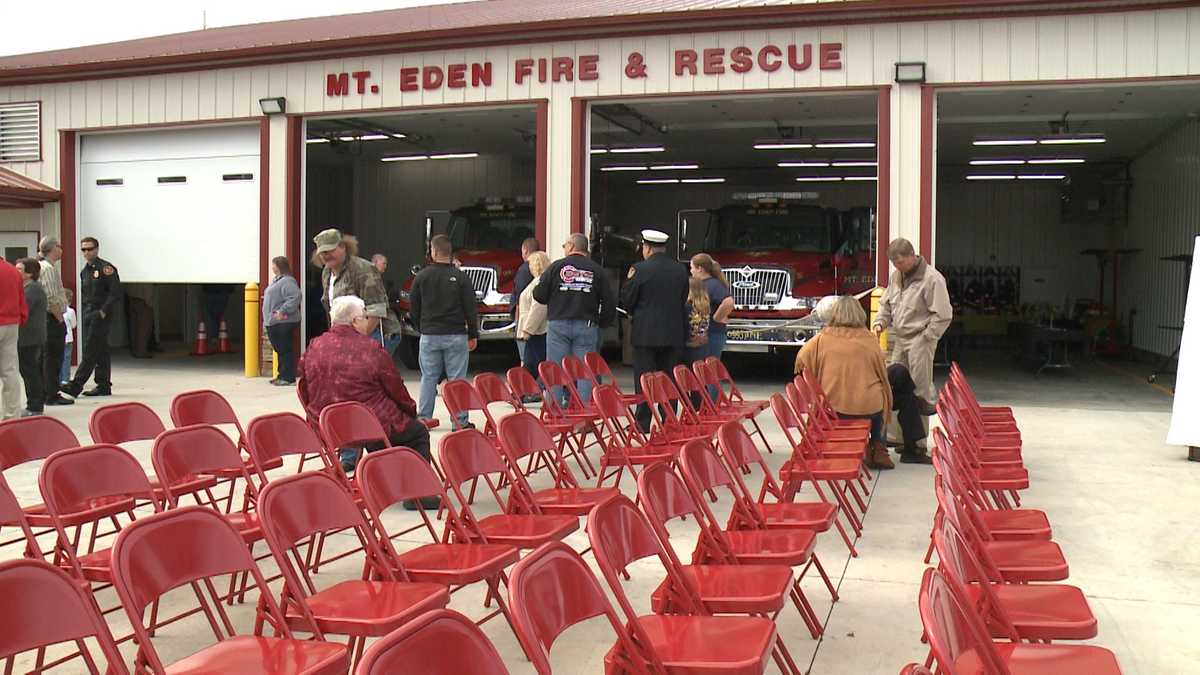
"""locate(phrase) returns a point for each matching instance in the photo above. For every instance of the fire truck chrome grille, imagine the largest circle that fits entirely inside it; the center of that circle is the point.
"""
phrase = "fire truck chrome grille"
(483, 279)
(754, 286)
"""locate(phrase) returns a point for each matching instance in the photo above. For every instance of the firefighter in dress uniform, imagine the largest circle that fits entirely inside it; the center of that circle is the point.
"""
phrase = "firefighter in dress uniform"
(655, 295)
(99, 292)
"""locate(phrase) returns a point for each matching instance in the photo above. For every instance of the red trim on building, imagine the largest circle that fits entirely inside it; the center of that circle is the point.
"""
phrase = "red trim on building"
(295, 146)
(542, 171)
(264, 202)
(22, 192)
(216, 121)
(579, 159)
(883, 193)
(927, 172)
(66, 215)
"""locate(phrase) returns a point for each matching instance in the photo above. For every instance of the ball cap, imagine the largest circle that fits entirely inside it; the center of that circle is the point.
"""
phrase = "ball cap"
(655, 237)
(327, 240)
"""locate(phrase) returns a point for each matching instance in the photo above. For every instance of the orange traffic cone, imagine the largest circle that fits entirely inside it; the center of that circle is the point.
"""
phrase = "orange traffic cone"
(223, 346)
(201, 348)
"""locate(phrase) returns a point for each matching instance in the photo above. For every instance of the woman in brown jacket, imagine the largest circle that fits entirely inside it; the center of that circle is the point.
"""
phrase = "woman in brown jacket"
(846, 359)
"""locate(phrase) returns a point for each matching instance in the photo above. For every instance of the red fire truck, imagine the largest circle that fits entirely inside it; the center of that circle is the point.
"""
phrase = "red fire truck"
(781, 256)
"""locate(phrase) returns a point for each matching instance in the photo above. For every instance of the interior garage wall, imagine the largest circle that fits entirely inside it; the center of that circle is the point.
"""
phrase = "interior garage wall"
(1006, 224)
(1164, 218)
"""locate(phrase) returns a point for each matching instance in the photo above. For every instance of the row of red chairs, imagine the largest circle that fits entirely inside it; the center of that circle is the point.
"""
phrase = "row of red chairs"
(991, 604)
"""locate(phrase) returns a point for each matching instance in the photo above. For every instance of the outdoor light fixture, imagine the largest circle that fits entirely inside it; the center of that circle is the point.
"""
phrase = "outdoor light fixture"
(702, 180)
(909, 72)
(991, 176)
(623, 168)
(846, 144)
(625, 151)
(818, 179)
(782, 145)
(403, 158)
(681, 167)
(657, 181)
(1057, 160)
(789, 165)
(996, 162)
(273, 106)
(1044, 176)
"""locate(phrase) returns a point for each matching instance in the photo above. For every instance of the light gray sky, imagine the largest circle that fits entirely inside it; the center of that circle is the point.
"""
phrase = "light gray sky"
(31, 28)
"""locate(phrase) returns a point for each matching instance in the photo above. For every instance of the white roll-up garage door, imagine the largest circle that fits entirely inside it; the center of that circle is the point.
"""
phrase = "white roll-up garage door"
(174, 206)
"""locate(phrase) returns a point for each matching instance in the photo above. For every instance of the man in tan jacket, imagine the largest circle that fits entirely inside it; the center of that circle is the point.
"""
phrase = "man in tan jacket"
(916, 307)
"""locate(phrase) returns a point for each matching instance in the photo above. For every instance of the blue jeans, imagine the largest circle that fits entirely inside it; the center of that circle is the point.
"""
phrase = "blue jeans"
(64, 373)
(521, 351)
(572, 337)
(716, 345)
(440, 355)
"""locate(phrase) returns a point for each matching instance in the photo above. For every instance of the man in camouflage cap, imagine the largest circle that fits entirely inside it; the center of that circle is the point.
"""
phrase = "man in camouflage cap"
(344, 273)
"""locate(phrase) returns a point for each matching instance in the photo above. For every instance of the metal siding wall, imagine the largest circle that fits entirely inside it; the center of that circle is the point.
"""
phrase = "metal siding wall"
(1164, 217)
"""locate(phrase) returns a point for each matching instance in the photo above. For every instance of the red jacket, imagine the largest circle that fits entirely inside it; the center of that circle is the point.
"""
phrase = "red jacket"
(343, 365)
(13, 310)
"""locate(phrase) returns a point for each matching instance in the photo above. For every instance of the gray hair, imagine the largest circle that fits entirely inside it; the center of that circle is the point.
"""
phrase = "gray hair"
(345, 308)
(848, 312)
(578, 242)
(47, 244)
(900, 248)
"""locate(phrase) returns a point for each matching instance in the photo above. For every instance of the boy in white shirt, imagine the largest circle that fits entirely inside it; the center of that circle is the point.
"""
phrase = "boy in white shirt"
(69, 320)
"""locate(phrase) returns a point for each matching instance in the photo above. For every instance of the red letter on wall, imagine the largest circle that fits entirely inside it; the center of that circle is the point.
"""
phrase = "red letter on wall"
(481, 74)
(831, 56)
(797, 64)
(408, 79)
(740, 56)
(522, 69)
(337, 84)
(685, 59)
(361, 78)
(714, 61)
(588, 67)
(456, 75)
(432, 77)
(562, 67)
(765, 63)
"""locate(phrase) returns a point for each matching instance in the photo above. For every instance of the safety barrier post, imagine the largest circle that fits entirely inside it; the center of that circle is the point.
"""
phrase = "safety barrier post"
(876, 297)
(252, 324)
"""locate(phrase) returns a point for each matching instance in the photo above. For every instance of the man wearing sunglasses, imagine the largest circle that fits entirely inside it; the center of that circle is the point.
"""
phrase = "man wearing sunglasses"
(99, 292)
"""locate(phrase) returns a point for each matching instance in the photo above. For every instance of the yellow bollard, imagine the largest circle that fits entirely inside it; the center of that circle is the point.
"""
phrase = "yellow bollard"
(876, 297)
(274, 363)
(252, 325)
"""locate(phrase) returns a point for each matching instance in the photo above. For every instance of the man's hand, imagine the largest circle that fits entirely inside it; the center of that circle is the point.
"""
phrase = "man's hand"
(877, 329)
(471, 344)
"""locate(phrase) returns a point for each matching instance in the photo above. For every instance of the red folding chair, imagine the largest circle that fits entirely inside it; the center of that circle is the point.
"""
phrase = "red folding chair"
(735, 396)
(461, 398)
(620, 536)
(493, 389)
(205, 406)
(297, 508)
(625, 446)
(604, 375)
(571, 431)
(12, 515)
(543, 609)
(43, 606)
(989, 413)
(440, 642)
(841, 434)
(696, 396)
(29, 439)
(391, 476)
(960, 643)
(190, 546)
(807, 463)
(522, 435)
(915, 669)
(1002, 479)
(468, 455)
(669, 422)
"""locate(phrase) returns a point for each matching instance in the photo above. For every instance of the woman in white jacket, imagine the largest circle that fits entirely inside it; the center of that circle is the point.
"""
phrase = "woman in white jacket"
(531, 316)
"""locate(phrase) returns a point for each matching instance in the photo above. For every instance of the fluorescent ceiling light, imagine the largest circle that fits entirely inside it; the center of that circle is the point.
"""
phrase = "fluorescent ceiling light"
(625, 151)
(316, 140)
(782, 145)
(404, 158)
(1071, 140)
(991, 176)
(1005, 141)
(703, 180)
(787, 165)
(1045, 176)
(369, 137)
(622, 168)
(856, 162)
(657, 181)
(1057, 160)
(861, 178)
(599, 151)
(996, 162)
(681, 167)
(455, 155)
(846, 144)
(818, 179)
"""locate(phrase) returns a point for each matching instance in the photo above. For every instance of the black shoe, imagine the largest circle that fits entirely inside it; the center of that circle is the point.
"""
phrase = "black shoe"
(926, 407)
(531, 398)
(466, 425)
(915, 458)
(71, 389)
(428, 503)
(30, 413)
(60, 400)
(273, 380)
(98, 391)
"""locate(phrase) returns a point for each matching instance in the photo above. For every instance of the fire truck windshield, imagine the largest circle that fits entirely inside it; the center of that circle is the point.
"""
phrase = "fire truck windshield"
(485, 229)
(773, 229)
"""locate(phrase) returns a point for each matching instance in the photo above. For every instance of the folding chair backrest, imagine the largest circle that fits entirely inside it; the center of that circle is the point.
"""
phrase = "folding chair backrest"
(203, 406)
(522, 434)
(599, 367)
(693, 389)
(722, 373)
(551, 590)
(578, 370)
(703, 468)
(468, 454)
(664, 495)
(460, 397)
(963, 569)
(350, 424)
(521, 382)
(957, 637)
(394, 475)
(75, 480)
(440, 642)
(44, 606)
(738, 446)
(25, 439)
(662, 397)
(180, 455)
(493, 389)
(295, 507)
(277, 435)
(124, 422)
(557, 383)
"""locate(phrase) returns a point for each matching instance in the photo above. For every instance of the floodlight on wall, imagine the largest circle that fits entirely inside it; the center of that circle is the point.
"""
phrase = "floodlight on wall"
(273, 106)
(910, 72)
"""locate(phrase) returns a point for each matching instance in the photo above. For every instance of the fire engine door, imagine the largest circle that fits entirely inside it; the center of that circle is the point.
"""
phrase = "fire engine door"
(691, 229)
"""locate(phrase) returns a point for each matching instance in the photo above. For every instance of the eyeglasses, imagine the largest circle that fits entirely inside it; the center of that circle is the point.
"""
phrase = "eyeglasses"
(86, 249)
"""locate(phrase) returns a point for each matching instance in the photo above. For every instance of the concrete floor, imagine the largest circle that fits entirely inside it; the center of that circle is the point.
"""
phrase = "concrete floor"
(1122, 505)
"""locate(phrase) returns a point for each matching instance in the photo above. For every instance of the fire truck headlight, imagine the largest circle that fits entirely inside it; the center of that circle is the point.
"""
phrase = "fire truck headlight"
(504, 299)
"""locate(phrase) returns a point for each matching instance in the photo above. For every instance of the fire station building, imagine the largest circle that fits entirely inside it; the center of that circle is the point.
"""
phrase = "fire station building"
(1045, 155)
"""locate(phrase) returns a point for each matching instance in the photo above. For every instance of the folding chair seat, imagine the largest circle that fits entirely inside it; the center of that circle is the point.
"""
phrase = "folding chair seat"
(190, 545)
(620, 536)
(999, 413)
(297, 508)
(734, 394)
(118, 423)
(43, 606)
(439, 642)
(205, 406)
(1006, 524)
(655, 643)
(839, 434)
(717, 393)
(960, 643)
(990, 436)
(1014, 611)
(1011, 561)
(572, 431)
(392, 476)
(625, 446)
(604, 375)
(467, 455)
(523, 435)
(1006, 473)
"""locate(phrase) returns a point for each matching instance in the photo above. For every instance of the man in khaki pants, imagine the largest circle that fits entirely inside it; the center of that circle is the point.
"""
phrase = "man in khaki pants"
(916, 307)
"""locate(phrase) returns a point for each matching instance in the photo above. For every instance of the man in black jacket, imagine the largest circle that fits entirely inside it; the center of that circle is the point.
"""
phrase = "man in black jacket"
(443, 309)
(580, 301)
(656, 296)
(521, 279)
